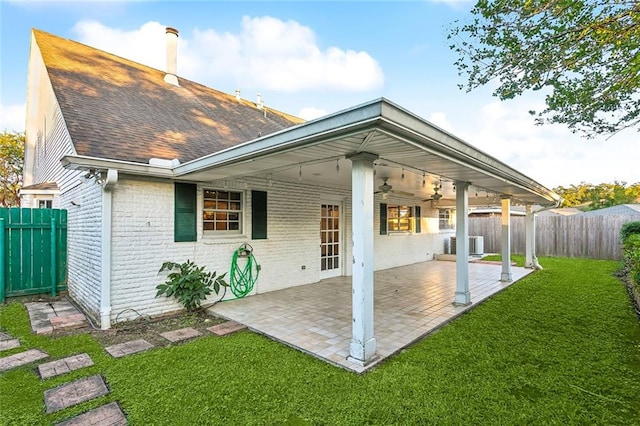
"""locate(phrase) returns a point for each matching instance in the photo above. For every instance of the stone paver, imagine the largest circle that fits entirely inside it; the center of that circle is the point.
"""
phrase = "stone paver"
(410, 302)
(226, 328)
(64, 365)
(21, 358)
(181, 334)
(106, 415)
(45, 317)
(5, 336)
(74, 393)
(128, 348)
(5, 345)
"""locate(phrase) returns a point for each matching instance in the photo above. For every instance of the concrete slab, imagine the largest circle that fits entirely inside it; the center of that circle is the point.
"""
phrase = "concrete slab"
(74, 393)
(226, 328)
(181, 334)
(128, 348)
(5, 345)
(64, 365)
(106, 415)
(20, 359)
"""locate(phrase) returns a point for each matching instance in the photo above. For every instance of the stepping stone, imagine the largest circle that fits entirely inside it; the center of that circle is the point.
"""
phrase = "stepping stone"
(64, 365)
(20, 359)
(182, 334)
(226, 328)
(5, 336)
(74, 393)
(68, 322)
(128, 348)
(5, 345)
(107, 415)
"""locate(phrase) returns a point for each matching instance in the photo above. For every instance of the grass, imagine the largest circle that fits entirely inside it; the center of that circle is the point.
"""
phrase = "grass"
(518, 259)
(562, 346)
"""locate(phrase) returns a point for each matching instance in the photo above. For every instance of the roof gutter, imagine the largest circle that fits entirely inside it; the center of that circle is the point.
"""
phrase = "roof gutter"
(81, 162)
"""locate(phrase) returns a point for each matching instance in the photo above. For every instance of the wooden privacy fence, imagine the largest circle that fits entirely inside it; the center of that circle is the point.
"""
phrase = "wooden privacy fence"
(33, 251)
(595, 237)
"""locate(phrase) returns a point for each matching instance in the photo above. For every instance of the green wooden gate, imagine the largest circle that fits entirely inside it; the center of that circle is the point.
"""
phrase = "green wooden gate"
(33, 251)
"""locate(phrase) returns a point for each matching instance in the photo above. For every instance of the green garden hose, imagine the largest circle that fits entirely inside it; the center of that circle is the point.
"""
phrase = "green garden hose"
(243, 279)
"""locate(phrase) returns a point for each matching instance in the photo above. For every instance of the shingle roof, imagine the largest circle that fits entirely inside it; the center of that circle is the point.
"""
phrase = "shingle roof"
(45, 186)
(118, 109)
(620, 209)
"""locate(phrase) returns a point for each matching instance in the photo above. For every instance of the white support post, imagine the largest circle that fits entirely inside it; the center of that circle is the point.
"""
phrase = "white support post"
(363, 343)
(529, 237)
(506, 275)
(463, 297)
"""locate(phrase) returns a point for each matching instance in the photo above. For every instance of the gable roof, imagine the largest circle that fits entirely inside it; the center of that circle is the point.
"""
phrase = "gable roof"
(118, 109)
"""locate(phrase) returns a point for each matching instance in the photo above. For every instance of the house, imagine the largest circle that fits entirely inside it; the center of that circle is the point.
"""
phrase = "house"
(619, 210)
(153, 167)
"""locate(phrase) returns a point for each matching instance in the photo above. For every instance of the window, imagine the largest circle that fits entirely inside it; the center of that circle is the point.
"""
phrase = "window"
(45, 204)
(222, 211)
(447, 219)
(400, 219)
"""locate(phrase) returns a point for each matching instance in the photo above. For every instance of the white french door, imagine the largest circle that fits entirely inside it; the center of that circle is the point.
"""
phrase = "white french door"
(330, 240)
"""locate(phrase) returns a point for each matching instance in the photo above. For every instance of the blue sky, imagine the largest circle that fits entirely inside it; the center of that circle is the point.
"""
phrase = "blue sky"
(313, 58)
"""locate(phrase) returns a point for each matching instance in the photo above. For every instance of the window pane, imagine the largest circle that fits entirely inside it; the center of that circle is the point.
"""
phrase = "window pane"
(234, 206)
(221, 226)
(234, 196)
(330, 250)
(209, 204)
(222, 205)
(207, 226)
(234, 216)
(234, 226)
(207, 215)
(323, 236)
(329, 263)
(223, 195)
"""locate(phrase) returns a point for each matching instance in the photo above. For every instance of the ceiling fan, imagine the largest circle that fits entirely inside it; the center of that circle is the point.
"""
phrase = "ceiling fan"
(385, 189)
(436, 195)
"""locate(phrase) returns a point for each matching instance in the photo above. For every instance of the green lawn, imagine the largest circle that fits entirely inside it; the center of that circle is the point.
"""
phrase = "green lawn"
(562, 346)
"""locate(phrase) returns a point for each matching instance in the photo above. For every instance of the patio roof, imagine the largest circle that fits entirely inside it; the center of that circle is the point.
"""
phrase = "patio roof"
(406, 145)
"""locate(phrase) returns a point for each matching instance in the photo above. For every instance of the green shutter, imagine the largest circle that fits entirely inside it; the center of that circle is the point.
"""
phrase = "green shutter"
(417, 220)
(258, 215)
(383, 219)
(185, 212)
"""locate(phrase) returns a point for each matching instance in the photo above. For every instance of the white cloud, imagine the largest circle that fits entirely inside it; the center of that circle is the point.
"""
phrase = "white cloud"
(440, 119)
(549, 154)
(309, 113)
(12, 118)
(267, 54)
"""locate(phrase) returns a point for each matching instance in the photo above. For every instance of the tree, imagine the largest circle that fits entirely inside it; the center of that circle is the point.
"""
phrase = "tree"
(11, 163)
(593, 197)
(586, 52)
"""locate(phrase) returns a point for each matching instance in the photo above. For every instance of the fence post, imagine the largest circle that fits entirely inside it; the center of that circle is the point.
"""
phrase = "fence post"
(2, 280)
(54, 259)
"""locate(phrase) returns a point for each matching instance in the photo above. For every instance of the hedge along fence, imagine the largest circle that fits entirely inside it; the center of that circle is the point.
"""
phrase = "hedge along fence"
(595, 237)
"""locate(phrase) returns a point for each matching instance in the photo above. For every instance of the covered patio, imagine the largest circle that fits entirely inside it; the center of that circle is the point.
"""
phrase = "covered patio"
(409, 302)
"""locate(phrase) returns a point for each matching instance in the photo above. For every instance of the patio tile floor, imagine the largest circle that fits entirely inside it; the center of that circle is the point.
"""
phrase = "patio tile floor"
(409, 302)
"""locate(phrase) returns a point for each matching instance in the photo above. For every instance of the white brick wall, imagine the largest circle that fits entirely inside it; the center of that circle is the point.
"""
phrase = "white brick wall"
(142, 240)
(84, 244)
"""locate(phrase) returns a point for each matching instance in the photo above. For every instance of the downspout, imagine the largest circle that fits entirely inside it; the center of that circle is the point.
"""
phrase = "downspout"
(105, 286)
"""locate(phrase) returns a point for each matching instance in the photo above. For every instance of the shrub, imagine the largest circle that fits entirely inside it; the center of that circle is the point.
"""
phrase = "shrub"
(632, 257)
(628, 229)
(189, 284)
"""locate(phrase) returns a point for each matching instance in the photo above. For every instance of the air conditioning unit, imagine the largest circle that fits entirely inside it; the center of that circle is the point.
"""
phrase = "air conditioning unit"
(476, 245)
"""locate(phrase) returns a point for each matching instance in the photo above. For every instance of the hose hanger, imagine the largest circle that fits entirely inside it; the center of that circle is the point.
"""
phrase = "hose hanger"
(245, 250)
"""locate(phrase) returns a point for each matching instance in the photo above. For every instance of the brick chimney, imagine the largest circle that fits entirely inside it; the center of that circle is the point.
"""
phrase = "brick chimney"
(172, 56)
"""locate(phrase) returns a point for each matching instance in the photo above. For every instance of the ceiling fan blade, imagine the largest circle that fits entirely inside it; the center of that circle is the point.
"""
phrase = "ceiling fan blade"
(408, 194)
